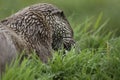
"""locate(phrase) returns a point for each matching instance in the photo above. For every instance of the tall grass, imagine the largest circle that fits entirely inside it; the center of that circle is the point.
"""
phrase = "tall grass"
(95, 57)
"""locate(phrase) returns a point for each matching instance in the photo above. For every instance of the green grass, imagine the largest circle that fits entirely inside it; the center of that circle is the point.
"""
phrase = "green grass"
(99, 58)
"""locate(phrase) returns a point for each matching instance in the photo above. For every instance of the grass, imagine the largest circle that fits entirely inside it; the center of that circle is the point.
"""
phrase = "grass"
(98, 59)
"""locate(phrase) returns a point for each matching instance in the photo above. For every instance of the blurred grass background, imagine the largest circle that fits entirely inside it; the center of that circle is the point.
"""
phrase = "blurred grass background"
(78, 9)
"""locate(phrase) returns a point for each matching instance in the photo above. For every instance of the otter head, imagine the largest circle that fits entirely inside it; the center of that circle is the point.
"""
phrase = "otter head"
(62, 33)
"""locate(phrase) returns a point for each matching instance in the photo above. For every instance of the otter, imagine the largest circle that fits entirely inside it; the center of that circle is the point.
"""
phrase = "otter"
(44, 27)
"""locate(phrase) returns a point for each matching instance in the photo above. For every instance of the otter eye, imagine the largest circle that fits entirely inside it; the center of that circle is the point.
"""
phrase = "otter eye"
(62, 13)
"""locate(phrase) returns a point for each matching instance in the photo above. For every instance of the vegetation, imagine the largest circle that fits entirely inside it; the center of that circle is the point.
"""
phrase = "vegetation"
(96, 54)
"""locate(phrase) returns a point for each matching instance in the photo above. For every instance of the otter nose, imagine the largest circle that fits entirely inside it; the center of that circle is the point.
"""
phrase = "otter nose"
(68, 43)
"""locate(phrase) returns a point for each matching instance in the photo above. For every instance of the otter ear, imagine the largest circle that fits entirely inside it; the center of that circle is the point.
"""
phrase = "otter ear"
(62, 13)
(4, 21)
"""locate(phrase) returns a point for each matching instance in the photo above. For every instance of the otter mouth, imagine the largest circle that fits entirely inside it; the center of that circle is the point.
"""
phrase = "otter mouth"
(68, 43)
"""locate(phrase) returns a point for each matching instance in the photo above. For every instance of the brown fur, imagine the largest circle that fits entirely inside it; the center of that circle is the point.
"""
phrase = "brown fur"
(46, 19)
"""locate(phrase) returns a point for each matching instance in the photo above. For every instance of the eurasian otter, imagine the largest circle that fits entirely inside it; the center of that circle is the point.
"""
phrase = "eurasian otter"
(43, 27)
(42, 23)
